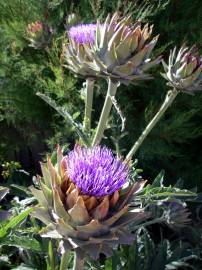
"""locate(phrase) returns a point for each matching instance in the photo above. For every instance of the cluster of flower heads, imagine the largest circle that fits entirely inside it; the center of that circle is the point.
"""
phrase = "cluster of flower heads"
(95, 171)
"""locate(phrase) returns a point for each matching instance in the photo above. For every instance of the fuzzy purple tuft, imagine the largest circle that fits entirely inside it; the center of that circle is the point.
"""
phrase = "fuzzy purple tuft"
(83, 33)
(95, 171)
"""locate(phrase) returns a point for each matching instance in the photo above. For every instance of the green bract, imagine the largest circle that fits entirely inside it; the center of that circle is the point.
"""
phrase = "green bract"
(120, 51)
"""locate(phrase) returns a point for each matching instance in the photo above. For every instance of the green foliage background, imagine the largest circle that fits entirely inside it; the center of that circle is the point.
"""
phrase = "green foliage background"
(28, 125)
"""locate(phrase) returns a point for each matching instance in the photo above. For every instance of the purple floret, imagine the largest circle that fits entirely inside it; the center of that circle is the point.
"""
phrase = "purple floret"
(83, 33)
(95, 171)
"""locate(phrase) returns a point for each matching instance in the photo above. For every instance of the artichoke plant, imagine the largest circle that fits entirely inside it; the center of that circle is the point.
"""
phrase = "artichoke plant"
(116, 49)
(184, 69)
(82, 202)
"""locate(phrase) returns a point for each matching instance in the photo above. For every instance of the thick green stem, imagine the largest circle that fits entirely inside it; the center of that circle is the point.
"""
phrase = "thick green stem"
(88, 105)
(78, 261)
(171, 95)
(111, 92)
(64, 261)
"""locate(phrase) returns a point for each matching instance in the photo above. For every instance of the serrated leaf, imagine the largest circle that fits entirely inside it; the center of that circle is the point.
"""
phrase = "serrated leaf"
(14, 221)
(63, 112)
(3, 192)
(25, 242)
(158, 181)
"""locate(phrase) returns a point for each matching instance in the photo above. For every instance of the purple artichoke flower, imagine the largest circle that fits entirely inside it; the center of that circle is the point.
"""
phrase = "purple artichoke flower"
(95, 171)
(83, 33)
(84, 223)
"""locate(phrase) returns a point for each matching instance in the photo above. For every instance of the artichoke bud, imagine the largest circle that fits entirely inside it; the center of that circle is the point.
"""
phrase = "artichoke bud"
(184, 70)
(81, 201)
(116, 49)
(39, 35)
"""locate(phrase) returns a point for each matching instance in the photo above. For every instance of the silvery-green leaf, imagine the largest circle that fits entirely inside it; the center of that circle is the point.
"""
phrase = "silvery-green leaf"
(3, 192)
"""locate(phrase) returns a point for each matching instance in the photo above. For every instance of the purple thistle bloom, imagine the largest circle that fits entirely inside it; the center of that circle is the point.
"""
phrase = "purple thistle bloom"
(83, 33)
(95, 171)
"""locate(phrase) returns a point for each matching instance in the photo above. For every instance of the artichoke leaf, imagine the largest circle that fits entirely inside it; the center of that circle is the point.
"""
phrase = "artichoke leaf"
(3, 192)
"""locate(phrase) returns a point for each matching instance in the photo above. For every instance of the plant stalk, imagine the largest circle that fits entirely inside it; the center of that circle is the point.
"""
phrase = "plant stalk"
(64, 261)
(88, 105)
(78, 261)
(111, 92)
(51, 256)
(171, 95)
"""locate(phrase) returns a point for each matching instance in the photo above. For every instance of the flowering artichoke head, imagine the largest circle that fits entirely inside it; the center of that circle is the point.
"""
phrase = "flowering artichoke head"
(81, 202)
(184, 69)
(116, 49)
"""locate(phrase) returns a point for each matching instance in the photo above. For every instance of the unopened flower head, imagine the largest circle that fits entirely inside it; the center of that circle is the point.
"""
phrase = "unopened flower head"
(34, 27)
(95, 171)
(83, 33)
(39, 34)
(184, 69)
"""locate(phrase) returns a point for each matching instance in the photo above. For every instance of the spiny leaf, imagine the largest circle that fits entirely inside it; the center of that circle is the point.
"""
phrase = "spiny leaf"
(14, 221)
(64, 113)
(158, 181)
(25, 242)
